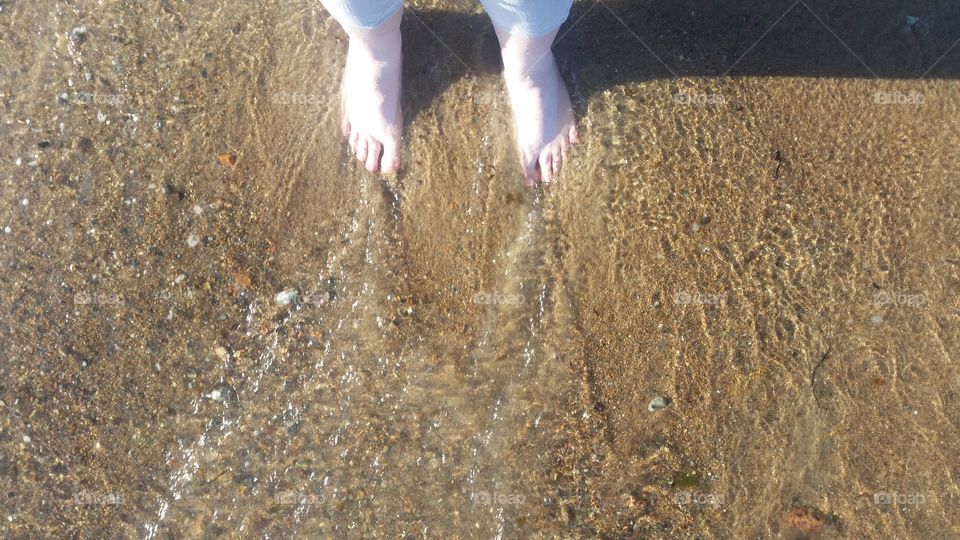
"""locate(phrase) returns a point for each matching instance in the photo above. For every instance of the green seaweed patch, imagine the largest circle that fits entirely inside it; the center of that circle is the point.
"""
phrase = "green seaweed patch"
(686, 480)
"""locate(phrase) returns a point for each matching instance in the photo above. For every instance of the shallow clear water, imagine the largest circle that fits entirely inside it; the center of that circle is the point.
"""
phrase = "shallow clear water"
(760, 227)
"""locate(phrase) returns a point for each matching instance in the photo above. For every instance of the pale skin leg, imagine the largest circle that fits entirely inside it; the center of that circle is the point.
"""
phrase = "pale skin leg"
(543, 114)
(372, 120)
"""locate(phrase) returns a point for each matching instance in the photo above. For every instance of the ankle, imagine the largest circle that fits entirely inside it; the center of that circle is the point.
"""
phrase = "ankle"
(378, 38)
(526, 57)
(524, 68)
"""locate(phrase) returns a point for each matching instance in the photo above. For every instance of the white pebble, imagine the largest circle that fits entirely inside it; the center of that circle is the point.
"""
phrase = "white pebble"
(287, 296)
(193, 240)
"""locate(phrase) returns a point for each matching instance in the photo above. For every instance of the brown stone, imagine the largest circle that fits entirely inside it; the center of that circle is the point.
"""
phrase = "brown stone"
(807, 519)
(227, 159)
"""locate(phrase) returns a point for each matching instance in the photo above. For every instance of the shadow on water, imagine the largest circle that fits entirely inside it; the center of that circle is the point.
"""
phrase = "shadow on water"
(663, 39)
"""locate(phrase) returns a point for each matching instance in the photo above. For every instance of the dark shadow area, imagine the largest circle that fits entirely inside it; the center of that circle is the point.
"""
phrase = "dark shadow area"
(621, 41)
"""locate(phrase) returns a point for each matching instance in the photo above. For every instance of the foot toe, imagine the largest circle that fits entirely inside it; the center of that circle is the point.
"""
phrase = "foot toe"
(557, 161)
(391, 157)
(573, 135)
(354, 142)
(563, 147)
(362, 150)
(373, 156)
(529, 164)
(546, 166)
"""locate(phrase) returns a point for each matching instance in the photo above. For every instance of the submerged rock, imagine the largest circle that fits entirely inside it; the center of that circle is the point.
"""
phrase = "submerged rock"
(287, 296)
(227, 159)
(658, 403)
(243, 280)
(811, 520)
(221, 393)
(79, 34)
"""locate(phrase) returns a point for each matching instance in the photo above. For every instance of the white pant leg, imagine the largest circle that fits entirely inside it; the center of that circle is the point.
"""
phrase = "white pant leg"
(528, 18)
(362, 13)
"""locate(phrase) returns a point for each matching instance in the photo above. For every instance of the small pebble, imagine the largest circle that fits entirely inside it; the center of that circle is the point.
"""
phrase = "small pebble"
(193, 240)
(658, 403)
(876, 319)
(287, 296)
(243, 280)
(27, 439)
(222, 393)
(79, 34)
(227, 159)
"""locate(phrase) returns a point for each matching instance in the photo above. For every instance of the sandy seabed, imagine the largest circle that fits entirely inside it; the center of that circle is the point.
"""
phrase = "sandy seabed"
(215, 324)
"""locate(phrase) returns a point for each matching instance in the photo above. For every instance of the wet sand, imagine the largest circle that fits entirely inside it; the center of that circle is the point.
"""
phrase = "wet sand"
(763, 233)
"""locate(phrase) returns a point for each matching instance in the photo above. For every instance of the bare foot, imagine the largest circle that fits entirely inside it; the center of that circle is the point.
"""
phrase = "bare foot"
(546, 128)
(372, 120)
